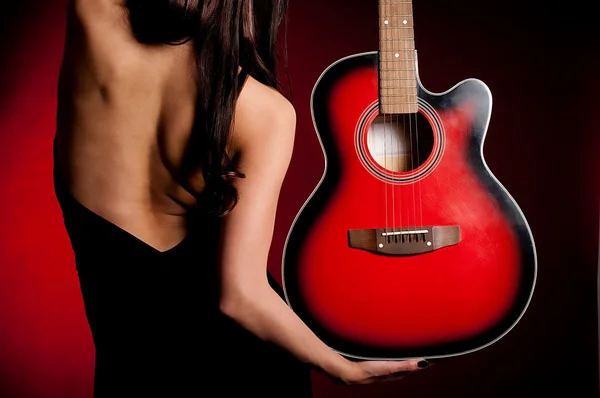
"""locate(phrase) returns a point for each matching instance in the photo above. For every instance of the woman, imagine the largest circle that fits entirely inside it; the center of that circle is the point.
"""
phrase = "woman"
(172, 143)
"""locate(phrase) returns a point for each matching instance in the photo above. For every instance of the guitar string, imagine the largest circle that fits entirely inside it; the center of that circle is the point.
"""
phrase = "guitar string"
(391, 174)
(384, 160)
(385, 156)
(418, 183)
(412, 165)
(395, 164)
(401, 158)
(419, 162)
(405, 154)
(376, 146)
(407, 148)
(397, 168)
(405, 141)
(392, 171)
(385, 164)
(419, 195)
(410, 144)
(411, 148)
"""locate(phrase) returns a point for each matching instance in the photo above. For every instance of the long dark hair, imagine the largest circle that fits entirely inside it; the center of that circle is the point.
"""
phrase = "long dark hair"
(226, 34)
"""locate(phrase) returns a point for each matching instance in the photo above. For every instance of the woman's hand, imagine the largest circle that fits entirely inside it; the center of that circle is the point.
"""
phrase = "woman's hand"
(367, 372)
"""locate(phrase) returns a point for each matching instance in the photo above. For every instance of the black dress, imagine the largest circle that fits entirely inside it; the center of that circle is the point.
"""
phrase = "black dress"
(155, 321)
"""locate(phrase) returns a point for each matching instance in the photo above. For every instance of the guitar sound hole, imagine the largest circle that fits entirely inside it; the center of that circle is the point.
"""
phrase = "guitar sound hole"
(400, 143)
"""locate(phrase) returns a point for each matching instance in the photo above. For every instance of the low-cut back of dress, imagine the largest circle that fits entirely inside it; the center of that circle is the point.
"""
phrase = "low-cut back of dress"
(154, 315)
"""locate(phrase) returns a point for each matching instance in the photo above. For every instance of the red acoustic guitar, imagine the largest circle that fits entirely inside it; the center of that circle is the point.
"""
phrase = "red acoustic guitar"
(408, 246)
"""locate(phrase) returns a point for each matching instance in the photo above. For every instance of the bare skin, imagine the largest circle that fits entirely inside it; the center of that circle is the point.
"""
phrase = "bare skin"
(125, 114)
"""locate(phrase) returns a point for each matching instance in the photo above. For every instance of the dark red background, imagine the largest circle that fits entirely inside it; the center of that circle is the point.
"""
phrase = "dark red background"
(539, 60)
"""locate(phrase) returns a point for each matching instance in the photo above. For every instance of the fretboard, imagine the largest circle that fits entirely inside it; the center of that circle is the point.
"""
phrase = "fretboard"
(397, 65)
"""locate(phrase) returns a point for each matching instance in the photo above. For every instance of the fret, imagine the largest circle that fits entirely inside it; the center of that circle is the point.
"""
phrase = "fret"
(391, 86)
(398, 109)
(399, 90)
(401, 31)
(384, 58)
(397, 60)
(402, 87)
(396, 35)
(397, 47)
(402, 83)
(394, 70)
(399, 96)
(385, 74)
(397, 56)
(385, 88)
(399, 81)
(384, 84)
(398, 77)
(388, 35)
(392, 9)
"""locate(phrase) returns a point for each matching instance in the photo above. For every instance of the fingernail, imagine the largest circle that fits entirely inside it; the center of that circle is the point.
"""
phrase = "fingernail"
(423, 364)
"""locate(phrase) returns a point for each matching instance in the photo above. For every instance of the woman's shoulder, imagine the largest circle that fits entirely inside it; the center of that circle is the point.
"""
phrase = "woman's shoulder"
(263, 115)
(97, 4)
(85, 8)
(102, 20)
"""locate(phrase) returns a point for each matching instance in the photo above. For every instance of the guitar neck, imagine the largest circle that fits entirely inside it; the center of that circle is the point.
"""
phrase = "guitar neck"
(397, 63)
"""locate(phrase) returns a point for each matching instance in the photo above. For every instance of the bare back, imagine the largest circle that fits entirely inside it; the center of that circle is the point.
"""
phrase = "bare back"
(125, 114)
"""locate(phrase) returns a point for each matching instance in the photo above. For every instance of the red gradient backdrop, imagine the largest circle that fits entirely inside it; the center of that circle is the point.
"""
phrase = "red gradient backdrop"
(539, 61)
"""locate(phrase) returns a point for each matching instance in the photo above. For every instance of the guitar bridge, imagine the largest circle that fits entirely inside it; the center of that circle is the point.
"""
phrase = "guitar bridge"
(404, 241)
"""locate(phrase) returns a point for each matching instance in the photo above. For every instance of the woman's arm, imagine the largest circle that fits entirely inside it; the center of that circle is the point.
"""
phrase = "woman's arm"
(264, 136)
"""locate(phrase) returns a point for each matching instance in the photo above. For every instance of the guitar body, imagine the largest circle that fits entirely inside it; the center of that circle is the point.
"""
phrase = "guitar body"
(367, 304)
